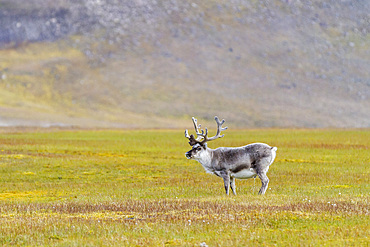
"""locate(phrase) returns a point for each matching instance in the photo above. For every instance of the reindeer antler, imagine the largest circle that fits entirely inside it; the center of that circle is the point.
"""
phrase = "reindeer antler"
(202, 136)
(198, 131)
(219, 129)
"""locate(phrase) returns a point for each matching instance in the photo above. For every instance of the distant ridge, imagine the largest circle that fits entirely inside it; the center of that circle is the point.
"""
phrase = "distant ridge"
(155, 64)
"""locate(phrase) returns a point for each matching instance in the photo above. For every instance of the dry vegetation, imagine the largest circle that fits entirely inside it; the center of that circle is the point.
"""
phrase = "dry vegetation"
(124, 188)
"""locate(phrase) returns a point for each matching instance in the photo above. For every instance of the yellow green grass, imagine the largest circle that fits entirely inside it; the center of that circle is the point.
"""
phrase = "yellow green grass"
(136, 188)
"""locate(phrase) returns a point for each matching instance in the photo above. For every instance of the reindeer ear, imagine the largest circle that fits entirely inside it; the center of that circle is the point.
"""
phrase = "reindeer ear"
(192, 140)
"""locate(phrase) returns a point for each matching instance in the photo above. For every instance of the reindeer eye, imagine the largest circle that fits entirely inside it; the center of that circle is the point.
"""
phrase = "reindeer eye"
(199, 148)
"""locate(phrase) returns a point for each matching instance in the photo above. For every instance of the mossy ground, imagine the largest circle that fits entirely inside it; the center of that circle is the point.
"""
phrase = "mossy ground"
(127, 188)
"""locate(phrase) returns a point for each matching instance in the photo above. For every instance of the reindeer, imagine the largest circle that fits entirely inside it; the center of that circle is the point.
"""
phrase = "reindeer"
(230, 163)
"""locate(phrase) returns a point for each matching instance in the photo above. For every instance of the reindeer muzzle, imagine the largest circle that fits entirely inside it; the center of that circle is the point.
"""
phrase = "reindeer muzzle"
(188, 155)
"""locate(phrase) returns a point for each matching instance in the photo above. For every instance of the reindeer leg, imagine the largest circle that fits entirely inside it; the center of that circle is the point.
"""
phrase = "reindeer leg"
(265, 182)
(232, 185)
(226, 177)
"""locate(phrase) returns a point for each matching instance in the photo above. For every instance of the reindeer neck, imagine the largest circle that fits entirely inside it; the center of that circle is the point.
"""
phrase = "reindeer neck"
(206, 159)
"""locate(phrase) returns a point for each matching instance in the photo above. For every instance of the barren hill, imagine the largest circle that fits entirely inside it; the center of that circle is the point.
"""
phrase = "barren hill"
(150, 64)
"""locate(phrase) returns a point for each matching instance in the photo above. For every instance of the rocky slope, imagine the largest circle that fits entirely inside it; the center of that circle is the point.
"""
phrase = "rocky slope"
(109, 63)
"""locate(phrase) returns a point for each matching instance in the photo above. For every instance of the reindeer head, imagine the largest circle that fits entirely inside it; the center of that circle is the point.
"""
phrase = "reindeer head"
(199, 144)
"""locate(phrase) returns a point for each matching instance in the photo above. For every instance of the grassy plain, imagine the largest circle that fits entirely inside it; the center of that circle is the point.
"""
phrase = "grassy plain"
(136, 188)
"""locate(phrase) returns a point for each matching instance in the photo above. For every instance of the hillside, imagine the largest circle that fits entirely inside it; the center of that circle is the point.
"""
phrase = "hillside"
(140, 64)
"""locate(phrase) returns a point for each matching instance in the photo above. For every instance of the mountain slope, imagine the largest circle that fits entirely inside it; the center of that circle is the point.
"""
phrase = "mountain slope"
(256, 64)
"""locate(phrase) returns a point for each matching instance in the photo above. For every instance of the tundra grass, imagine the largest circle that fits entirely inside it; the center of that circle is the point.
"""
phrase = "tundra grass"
(136, 188)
